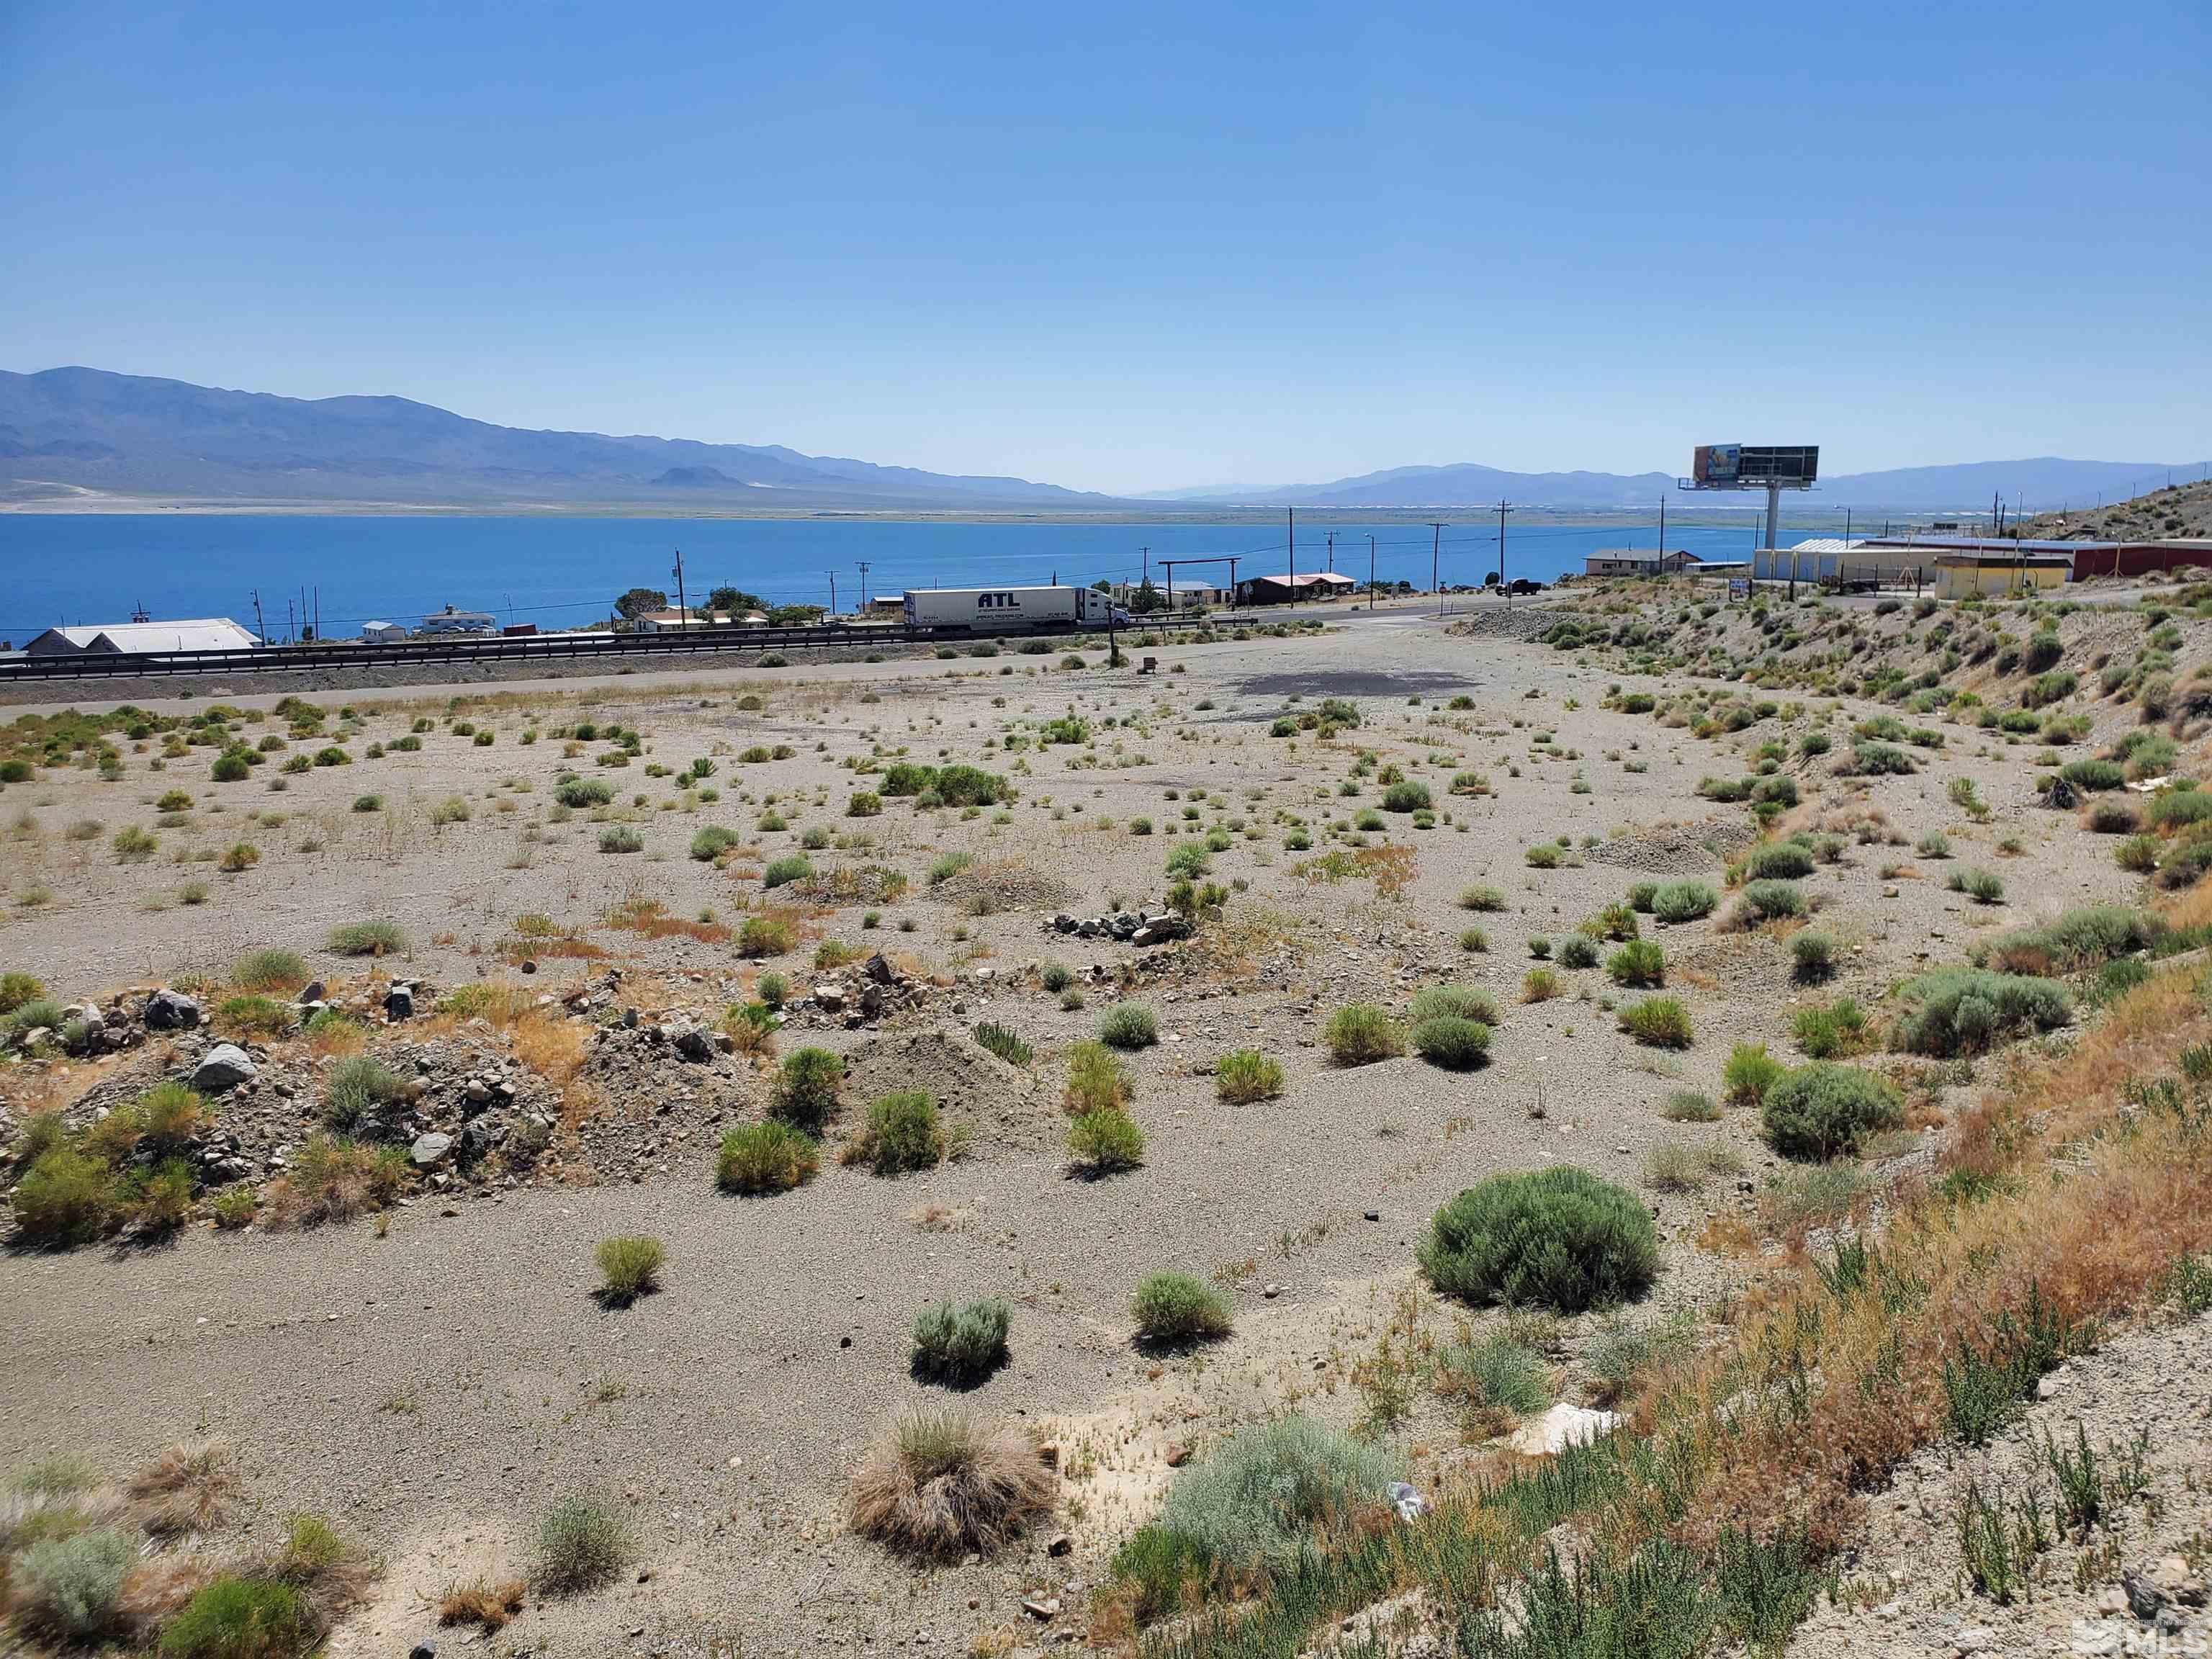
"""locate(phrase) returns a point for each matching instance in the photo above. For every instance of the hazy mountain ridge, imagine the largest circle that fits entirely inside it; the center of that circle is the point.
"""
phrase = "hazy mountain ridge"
(132, 434)
(69, 429)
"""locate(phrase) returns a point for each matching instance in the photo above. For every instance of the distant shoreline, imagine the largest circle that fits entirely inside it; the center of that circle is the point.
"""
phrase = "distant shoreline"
(105, 506)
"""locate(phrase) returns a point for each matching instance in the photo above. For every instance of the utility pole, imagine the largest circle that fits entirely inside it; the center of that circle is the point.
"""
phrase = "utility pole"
(683, 612)
(863, 584)
(1436, 544)
(833, 596)
(1662, 532)
(1147, 553)
(1504, 508)
(1293, 511)
(260, 627)
(1371, 573)
(287, 621)
(1332, 552)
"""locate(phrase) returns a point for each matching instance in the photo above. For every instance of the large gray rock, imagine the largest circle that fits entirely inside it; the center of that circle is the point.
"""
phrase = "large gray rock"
(223, 1067)
(693, 1043)
(171, 1010)
(430, 1150)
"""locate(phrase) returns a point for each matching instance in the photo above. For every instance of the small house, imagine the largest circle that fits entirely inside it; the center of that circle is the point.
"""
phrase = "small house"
(383, 633)
(1631, 562)
(450, 622)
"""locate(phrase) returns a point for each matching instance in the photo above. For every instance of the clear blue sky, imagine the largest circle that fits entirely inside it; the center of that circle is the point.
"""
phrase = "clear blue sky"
(1135, 246)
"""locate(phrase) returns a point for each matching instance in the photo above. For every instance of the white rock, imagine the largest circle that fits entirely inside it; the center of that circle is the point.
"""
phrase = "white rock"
(1562, 1426)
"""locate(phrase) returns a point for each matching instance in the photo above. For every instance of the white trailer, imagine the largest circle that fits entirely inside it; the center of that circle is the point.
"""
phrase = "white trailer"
(1007, 609)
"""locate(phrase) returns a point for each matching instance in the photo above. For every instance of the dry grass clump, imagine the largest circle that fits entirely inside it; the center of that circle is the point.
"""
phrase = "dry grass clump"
(334, 1179)
(629, 1268)
(581, 1545)
(935, 1485)
(188, 1488)
(482, 1602)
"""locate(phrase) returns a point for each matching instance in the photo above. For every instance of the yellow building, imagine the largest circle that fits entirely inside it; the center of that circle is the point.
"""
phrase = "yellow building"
(1957, 576)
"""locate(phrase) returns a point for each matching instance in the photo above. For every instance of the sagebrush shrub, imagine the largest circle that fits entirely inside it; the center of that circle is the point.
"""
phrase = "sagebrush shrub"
(903, 1133)
(1639, 962)
(1453, 1001)
(1676, 901)
(629, 1268)
(237, 1617)
(1128, 1025)
(1559, 1238)
(1963, 1011)
(1259, 1500)
(1749, 1074)
(580, 1545)
(1105, 1140)
(961, 1347)
(70, 1587)
(1824, 1110)
(1095, 1080)
(1175, 1308)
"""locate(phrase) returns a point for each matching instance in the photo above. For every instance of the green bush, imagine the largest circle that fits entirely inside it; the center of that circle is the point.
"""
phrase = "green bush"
(2089, 776)
(960, 1346)
(577, 793)
(1481, 898)
(805, 1093)
(1359, 1034)
(1576, 950)
(621, 838)
(1455, 1001)
(242, 1618)
(768, 1156)
(629, 1268)
(2077, 939)
(1545, 855)
(1005, 1044)
(1677, 901)
(1561, 1237)
(1497, 1371)
(1259, 1502)
(1955, 1011)
(368, 938)
(1128, 1026)
(1770, 900)
(765, 936)
(1785, 861)
(1105, 1140)
(355, 1090)
(792, 866)
(1822, 1111)
(1454, 1043)
(232, 766)
(1827, 1033)
(1983, 886)
(1657, 1022)
(580, 1546)
(1406, 796)
(1639, 962)
(18, 988)
(1245, 1075)
(1812, 957)
(902, 1134)
(269, 970)
(1172, 1308)
(70, 1586)
(66, 1199)
(711, 843)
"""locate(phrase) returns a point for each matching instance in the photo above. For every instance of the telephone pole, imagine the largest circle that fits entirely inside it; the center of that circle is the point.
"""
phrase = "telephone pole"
(833, 596)
(260, 627)
(683, 613)
(1293, 513)
(1662, 532)
(863, 584)
(1504, 508)
(1436, 580)
(1332, 551)
(1371, 573)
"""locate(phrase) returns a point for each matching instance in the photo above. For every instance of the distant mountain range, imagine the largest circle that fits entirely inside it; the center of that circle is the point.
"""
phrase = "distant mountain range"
(69, 429)
(84, 432)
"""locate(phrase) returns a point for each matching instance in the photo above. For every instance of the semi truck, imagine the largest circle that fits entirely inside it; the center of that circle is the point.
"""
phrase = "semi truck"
(1009, 610)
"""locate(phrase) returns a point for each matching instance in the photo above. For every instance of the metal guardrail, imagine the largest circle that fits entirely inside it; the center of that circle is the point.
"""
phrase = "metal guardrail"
(541, 647)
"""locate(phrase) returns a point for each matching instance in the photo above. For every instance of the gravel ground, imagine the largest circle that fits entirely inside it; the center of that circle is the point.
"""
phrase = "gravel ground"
(436, 1386)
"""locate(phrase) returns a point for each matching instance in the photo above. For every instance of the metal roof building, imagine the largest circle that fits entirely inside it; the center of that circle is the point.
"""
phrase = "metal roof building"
(203, 634)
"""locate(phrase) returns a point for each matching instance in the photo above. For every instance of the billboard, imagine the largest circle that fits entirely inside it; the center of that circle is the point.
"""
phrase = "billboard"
(1725, 465)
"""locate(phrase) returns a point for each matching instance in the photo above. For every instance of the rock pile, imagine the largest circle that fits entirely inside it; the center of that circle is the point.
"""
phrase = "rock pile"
(1129, 927)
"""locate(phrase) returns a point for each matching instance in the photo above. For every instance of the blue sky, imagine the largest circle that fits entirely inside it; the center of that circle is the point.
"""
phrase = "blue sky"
(1136, 246)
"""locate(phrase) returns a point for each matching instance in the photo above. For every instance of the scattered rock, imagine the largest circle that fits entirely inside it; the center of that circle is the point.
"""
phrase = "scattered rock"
(223, 1067)
(171, 1010)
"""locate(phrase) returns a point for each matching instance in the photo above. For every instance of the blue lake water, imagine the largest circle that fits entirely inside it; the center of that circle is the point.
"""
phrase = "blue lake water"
(565, 572)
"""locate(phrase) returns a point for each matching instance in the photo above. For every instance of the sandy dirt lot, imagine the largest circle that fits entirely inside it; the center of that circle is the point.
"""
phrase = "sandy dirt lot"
(436, 1375)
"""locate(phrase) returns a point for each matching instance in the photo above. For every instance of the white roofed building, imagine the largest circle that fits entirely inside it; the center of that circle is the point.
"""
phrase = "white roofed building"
(138, 638)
